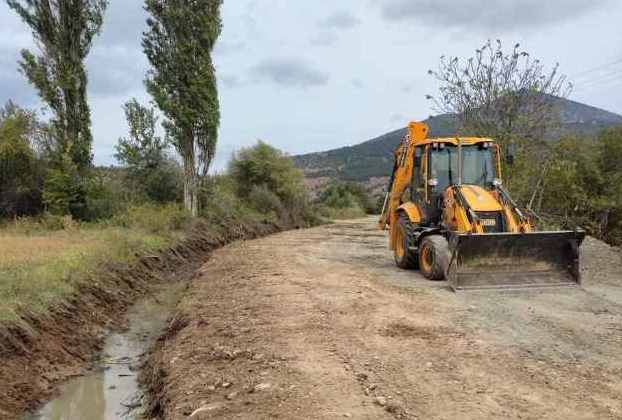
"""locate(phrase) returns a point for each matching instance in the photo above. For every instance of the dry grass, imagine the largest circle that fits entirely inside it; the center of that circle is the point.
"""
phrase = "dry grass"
(39, 267)
(16, 250)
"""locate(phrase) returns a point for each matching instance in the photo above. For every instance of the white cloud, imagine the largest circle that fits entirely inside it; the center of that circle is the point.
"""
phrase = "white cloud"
(501, 14)
(289, 72)
(340, 20)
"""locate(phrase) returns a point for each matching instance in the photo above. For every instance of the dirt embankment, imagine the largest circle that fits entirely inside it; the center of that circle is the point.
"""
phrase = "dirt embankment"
(319, 324)
(39, 352)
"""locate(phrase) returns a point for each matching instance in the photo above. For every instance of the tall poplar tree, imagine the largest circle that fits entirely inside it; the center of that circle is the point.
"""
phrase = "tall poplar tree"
(64, 31)
(178, 43)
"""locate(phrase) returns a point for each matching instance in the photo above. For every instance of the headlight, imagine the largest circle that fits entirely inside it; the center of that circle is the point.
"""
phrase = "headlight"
(433, 182)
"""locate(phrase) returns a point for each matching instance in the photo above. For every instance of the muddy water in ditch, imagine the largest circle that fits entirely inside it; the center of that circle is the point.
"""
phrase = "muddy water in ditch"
(111, 390)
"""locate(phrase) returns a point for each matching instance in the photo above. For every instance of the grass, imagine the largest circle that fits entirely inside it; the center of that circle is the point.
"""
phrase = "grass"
(40, 265)
(44, 261)
(352, 212)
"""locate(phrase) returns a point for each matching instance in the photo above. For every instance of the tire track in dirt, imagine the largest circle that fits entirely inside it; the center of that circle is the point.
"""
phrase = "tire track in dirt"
(319, 324)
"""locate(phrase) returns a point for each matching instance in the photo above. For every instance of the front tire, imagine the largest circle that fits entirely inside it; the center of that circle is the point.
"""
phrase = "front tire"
(404, 257)
(434, 257)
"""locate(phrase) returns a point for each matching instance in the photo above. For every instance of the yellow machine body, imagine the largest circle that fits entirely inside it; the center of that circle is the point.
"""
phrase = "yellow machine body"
(448, 214)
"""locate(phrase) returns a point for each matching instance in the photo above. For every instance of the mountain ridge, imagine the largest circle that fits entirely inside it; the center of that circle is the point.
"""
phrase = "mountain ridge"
(373, 158)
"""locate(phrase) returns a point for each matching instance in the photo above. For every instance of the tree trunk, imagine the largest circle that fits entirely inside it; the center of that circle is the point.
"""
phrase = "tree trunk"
(191, 183)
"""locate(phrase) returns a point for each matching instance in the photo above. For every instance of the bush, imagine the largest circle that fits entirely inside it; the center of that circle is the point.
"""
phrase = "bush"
(353, 212)
(21, 170)
(264, 165)
(265, 201)
(268, 181)
(609, 159)
(219, 200)
(149, 170)
(64, 190)
(578, 183)
(153, 218)
(346, 200)
(164, 184)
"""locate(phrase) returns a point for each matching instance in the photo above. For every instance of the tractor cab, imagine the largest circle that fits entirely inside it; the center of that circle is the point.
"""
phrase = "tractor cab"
(450, 162)
(475, 164)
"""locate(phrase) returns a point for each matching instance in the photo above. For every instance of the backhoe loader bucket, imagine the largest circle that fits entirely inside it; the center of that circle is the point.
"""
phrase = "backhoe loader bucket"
(514, 260)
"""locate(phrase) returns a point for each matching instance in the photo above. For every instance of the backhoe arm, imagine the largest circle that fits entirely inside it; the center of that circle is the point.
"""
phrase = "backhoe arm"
(401, 177)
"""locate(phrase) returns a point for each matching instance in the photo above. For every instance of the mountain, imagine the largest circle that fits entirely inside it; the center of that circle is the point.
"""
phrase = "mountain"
(372, 160)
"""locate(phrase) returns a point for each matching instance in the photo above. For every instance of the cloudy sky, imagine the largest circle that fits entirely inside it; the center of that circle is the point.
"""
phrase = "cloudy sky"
(312, 76)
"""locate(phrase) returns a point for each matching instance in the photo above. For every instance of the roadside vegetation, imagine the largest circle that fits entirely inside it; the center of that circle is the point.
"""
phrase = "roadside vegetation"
(63, 220)
(51, 245)
(44, 261)
(45, 258)
(345, 200)
(579, 184)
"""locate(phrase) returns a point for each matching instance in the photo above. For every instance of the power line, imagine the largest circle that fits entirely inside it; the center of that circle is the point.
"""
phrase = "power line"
(609, 83)
(596, 77)
(605, 78)
(601, 74)
(602, 66)
(611, 76)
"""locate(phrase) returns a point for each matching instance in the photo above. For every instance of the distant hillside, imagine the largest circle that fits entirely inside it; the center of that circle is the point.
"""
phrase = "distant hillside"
(373, 158)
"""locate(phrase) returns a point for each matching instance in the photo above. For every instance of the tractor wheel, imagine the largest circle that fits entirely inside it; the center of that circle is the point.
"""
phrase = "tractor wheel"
(404, 257)
(434, 257)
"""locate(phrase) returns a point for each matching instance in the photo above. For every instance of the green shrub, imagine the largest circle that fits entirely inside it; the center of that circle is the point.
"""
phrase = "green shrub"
(264, 165)
(349, 197)
(609, 159)
(149, 170)
(220, 200)
(64, 190)
(262, 174)
(333, 213)
(573, 182)
(153, 218)
(265, 201)
(21, 169)
(103, 201)
(164, 184)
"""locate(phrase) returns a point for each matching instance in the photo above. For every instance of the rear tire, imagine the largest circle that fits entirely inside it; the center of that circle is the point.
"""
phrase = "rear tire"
(434, 257)
(404, 257)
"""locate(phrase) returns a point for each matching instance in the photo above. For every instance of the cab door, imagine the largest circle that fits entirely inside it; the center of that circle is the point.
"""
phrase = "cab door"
(418, 190)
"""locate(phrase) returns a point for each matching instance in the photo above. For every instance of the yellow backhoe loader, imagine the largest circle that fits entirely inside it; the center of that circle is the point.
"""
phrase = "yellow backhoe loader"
(450, 216)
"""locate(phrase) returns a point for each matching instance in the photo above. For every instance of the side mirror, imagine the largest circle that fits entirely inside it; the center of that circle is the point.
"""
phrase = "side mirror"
(510, 153)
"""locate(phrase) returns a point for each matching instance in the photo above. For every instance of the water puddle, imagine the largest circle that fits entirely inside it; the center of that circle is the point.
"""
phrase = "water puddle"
(111, 391)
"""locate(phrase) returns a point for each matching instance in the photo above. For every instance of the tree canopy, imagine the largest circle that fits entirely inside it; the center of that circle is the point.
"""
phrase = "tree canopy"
(178, 43)
(143, 153)
(506, 95)
(64, 31)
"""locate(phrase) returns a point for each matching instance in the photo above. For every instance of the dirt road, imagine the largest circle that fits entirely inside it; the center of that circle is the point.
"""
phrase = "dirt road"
(320, 324)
